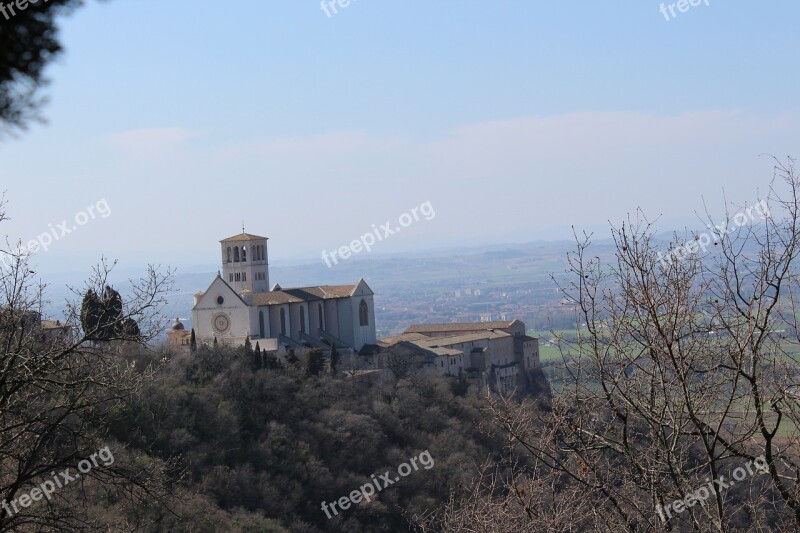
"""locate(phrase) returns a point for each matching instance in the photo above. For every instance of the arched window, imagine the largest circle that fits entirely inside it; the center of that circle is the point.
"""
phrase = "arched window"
(229, 254)
(261, 324)
(283, 321)
(235, 254)
(302, 319)
(321, 317)
(244, 254)
(363, 313)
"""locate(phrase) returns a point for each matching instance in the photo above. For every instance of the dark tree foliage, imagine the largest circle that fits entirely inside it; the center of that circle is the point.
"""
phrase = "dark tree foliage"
(276, 443)
(102, 317)
(129, 329)
(248, 346)
(270, 361)
(315, 362)
(90, 311)
(193, 342)
(291, 357)
(335, 357)
(28, 43)
(459, 385)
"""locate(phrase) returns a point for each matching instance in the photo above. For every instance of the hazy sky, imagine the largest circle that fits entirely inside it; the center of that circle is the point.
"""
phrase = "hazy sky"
(514, 119)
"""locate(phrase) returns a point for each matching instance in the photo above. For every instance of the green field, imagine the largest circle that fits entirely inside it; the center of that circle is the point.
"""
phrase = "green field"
(549, 353)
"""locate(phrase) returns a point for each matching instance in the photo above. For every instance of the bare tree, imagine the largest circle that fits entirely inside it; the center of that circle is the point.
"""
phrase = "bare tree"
(58, 398)
(399, 361)
(678, 406)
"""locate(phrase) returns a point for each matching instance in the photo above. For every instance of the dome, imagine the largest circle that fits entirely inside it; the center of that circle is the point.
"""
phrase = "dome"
(177, 326)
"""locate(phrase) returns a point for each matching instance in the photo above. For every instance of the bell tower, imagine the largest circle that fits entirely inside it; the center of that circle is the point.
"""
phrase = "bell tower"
(245, 264)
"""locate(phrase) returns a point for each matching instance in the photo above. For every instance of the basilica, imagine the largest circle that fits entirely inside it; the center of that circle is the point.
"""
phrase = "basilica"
(239, 304)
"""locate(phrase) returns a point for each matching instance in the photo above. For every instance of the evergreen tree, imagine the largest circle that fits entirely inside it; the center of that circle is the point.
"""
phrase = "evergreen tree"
(193, 342)
(90, 313)
(335, 358)
(269, 360)
(315, 362)
(248, 346)
(102, 317)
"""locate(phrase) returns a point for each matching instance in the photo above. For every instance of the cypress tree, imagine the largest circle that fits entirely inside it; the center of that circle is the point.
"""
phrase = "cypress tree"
(334, 359)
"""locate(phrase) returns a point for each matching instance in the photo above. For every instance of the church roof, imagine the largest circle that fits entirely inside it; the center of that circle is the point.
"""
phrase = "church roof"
(403, 337)
(446, 352)
(440, 345)
(274, 298)
(324, 291)
(459, 326)
(435, 342)
(303, 294)
(403, 341)
(244, 237)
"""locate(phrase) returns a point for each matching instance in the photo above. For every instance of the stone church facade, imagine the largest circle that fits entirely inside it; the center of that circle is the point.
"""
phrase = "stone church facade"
(239, 304)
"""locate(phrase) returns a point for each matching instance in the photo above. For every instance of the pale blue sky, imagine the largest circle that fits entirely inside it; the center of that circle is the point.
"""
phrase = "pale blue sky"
(515, 119)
